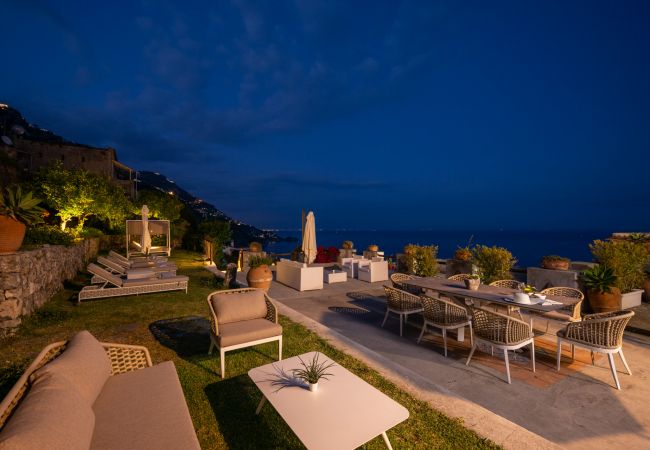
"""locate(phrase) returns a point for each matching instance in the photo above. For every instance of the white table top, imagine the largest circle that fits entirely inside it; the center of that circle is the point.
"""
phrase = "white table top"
(345, 412)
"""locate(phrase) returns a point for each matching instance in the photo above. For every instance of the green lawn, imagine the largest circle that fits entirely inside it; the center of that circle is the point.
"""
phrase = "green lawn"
(223, 411)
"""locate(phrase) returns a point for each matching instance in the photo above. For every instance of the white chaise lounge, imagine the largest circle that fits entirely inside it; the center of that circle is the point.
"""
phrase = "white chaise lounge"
(115, 286)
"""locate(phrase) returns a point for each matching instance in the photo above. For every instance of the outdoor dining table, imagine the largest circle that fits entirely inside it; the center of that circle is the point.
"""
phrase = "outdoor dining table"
(492, 294)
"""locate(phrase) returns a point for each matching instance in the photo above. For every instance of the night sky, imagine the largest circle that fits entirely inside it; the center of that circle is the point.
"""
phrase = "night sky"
(385, 115)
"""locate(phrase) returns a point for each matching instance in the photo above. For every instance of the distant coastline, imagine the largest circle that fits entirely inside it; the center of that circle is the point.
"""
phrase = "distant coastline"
(527, 246)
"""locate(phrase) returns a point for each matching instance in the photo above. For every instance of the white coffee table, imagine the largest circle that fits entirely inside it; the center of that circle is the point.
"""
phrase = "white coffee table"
(345, 412)
(335, 276)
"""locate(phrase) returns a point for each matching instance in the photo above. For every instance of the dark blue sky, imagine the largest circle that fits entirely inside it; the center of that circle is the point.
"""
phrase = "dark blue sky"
(471, 115)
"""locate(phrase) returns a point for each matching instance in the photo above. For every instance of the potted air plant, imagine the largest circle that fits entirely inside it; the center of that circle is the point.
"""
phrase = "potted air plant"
(17, 210)
(600, 283)
(555, 262)
(312, 371)
(260, 275)
(473, 282)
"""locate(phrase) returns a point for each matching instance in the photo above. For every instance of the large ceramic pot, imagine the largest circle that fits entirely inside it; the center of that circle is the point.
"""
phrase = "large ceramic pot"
(12, 233)
(605, 302)
(260, 277)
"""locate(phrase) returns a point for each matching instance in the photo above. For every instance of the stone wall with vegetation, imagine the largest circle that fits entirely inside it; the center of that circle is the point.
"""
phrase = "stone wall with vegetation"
(28, 279)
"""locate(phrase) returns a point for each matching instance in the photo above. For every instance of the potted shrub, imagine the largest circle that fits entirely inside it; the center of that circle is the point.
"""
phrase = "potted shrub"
(347, 245)
(555, 262)
(420, 260)
(260, 275)
(255, 247)
(628, 260)
(463, 254)
(373, 248)
(493, 263)
(600, 283)
(17, 210)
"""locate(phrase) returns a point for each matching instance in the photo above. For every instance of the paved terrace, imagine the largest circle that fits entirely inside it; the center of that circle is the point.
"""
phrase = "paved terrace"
(576, 408)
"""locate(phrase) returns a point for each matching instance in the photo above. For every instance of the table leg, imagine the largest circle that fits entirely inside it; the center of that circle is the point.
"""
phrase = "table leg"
(259, 407)
(461, 334)
(390, 447)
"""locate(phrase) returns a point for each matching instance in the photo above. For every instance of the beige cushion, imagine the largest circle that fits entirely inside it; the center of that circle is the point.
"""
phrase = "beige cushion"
(143, 409)
(239, 306)
(154, 280)
(54, 415)
(247, 331)
(84, 363)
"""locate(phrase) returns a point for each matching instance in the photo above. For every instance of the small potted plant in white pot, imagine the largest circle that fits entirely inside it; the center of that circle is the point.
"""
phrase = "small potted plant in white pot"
(473, 282)
(312, 371)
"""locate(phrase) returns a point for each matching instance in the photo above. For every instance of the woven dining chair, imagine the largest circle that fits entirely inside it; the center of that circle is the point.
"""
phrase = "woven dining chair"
(459, 277)
(502, 332)
(509, 284)
(401, 303)
(601, 333)
(445, 315)
(570, 313)
(398, 279)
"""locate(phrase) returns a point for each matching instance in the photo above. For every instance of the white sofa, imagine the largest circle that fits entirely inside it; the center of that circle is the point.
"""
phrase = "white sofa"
(375, 270)
(298, 275)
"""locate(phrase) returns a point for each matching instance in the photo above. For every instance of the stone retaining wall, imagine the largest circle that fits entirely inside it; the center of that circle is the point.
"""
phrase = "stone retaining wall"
(30, 278)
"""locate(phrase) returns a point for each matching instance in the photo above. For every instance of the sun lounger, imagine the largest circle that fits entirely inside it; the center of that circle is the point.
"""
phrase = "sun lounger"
(116, 286)
(117, 268)
(138, 263)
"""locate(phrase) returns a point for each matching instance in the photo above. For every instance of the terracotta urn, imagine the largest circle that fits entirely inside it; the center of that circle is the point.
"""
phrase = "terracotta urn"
(12, 233)
(260, 277)
(605, 302)
(555, 264)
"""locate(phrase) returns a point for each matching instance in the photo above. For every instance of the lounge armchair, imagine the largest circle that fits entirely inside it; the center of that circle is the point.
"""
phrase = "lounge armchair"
(242, 318)
(601, 333)
(446, 315)
(502, 332)
(375, 270)
(115, 286)
(401, 303)
(94, 395)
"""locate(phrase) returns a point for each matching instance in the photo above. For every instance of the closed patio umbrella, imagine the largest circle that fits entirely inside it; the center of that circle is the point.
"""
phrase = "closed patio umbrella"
(309, 239)
(145, 239)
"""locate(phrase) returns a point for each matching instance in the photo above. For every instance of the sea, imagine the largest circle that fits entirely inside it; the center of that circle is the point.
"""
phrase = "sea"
(528, 247)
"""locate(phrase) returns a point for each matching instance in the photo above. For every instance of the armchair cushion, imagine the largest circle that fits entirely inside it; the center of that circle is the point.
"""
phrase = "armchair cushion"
(84, 363)
(54, 415)
(143, 409)
(240, 306)
(235, 333)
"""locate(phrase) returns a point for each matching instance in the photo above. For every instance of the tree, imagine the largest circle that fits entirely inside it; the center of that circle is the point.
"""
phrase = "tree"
(217, 231)
(161, 205)
(79, 194)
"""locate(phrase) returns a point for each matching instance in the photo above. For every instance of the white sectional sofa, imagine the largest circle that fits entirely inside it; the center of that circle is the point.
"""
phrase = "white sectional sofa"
(298, 275)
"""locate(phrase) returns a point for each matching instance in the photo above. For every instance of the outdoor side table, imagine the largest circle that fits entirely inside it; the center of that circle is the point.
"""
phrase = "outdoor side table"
(345, 412)
(335, 276)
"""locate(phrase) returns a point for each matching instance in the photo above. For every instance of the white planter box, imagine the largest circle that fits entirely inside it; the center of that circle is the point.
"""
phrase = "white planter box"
(631, 299)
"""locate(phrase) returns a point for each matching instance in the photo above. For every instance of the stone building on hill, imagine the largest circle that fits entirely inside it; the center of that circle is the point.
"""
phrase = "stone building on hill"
(31, 148)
